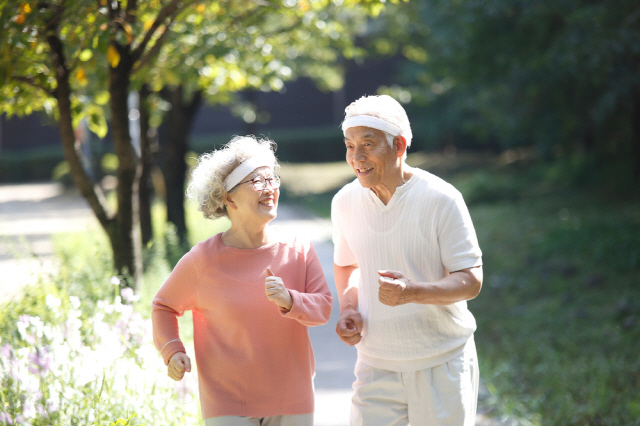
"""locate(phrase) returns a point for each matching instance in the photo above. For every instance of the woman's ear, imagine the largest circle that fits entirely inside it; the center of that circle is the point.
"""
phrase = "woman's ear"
(228, 201)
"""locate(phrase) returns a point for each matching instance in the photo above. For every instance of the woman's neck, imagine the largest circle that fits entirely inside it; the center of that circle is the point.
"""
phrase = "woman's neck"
(246, 237)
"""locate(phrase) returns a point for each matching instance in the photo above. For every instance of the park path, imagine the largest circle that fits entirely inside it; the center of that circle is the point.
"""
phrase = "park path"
(30, 214)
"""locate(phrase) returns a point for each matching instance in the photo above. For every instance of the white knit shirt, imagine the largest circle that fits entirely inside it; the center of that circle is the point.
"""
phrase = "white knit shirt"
(424, 230)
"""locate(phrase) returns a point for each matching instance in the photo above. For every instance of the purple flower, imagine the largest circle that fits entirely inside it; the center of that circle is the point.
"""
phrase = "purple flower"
(5, 418)
(40, 361)
(6, 351)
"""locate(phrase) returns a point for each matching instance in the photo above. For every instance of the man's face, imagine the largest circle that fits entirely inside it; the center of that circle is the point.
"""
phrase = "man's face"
(370, 156)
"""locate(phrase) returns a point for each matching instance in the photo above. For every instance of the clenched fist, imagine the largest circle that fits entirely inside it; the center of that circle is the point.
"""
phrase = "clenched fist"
(395, 288)
(277, 292)
(178, 365)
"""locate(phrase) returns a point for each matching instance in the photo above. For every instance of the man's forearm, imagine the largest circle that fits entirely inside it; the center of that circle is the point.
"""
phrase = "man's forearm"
(455, 287)
(346, 279)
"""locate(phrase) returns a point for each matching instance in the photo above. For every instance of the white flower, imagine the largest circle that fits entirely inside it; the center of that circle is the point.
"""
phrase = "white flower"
(53, 302)
(75, 302)
(28, 409)
(128, 295)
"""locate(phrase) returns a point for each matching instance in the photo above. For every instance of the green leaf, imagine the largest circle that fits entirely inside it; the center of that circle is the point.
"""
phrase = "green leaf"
(86, 54)
(102, 97)
(98, 124)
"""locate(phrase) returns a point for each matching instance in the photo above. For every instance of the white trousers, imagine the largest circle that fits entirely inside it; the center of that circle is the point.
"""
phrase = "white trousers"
(288, 420)
(444, 395)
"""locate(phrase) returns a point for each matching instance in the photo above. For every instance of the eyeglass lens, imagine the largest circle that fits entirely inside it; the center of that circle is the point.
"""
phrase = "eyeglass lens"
(261, 183)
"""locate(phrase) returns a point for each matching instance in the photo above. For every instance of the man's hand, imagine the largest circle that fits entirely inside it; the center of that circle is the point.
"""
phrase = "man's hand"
(349, 327)
(178, 365)
(277, 292)
(395, 288)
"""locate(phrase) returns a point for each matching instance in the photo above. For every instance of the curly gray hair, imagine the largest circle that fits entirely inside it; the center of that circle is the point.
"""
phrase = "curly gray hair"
(207, 177)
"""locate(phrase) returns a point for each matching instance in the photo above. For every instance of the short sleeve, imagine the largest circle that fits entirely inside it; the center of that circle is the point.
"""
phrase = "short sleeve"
(459, 246)
(342, 254)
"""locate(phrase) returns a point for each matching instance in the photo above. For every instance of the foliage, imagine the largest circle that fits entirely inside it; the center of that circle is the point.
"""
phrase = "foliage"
(80, 60)
(77, 352)
(74, 367)
(560, 76)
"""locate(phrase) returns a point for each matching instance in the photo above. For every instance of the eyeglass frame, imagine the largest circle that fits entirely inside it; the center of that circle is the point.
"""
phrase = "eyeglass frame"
(269, 181)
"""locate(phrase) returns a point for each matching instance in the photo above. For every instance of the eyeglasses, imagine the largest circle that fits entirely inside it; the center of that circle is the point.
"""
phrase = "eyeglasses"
(260, 183)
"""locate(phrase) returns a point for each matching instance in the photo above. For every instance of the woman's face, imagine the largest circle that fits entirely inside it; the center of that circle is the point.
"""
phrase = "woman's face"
(251, 203)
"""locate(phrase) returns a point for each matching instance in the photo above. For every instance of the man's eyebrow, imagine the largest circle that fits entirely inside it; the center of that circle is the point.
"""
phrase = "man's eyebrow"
(365, 136)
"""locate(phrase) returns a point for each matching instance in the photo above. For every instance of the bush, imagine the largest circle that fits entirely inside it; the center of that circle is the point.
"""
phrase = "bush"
(33, 165)
(76, 347)
(74, 368)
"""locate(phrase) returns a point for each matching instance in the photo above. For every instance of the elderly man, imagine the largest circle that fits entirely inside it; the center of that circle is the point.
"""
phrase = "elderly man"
(406, 261)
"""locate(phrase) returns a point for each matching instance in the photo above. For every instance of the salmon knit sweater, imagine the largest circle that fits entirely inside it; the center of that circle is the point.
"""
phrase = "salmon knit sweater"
(254, 359)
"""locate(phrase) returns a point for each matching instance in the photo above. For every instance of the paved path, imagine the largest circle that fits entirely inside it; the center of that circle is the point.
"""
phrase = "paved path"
(31, 213)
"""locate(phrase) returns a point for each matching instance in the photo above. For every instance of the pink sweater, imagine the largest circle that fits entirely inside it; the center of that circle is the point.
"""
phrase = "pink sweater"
(254, 359)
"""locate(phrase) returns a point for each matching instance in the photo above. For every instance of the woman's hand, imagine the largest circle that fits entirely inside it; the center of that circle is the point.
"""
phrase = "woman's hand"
(178, 365)
(277, 292)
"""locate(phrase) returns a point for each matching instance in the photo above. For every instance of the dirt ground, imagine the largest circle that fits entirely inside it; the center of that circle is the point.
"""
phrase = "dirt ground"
(29, 215)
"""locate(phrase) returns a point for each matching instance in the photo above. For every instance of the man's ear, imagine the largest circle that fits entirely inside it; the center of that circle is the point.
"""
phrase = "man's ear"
(400, 145)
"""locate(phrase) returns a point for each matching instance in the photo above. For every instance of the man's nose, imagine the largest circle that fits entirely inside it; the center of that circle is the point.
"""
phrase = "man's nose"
(358, 154)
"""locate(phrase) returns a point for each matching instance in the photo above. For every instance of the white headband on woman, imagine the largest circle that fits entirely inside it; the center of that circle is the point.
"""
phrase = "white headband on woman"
(246, 167)
(371, 121)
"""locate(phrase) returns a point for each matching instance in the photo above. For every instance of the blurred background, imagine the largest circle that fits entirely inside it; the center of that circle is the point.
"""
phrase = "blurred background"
(530, 108)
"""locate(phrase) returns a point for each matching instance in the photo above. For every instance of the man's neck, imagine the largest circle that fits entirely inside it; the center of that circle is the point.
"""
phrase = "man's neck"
(385, 191)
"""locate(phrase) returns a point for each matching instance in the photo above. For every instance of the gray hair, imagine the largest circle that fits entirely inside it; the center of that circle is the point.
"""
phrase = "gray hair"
(386, 108)
(207, 177)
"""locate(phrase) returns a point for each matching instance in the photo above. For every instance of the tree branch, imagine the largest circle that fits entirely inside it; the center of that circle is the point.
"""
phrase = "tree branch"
(155, 49)
(31, 82)
(168, 11)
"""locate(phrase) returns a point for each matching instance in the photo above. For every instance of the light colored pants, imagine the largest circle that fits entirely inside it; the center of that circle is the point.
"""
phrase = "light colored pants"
(290, 420)
(444, 395)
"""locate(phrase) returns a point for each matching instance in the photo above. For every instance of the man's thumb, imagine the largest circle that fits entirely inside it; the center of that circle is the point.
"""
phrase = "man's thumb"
(269, 273)
(390, 274)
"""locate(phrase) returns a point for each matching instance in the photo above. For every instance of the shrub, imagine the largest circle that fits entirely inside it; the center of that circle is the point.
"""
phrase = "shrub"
(99, 369)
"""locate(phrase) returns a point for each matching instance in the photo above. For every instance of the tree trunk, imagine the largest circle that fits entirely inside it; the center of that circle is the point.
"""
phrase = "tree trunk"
(87, 188)
(635, 116)
(148, 148)
(178, 121)
(126, 236)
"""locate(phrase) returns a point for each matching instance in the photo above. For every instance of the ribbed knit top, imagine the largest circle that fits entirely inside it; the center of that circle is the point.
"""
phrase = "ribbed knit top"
(254, 359)
(424, 231)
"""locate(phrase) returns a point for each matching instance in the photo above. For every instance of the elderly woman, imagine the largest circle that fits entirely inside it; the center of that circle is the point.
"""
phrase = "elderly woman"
(253, 291)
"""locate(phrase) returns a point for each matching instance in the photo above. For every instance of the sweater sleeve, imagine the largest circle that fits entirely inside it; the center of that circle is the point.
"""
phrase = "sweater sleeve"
(177, 295)
(313, 306)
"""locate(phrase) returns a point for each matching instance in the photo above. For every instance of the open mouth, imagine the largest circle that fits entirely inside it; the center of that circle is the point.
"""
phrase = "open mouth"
(269, 202)
(364, 170)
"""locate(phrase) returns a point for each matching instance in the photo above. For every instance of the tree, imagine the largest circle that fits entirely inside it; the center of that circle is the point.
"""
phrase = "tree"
(82, 58)
(235, 48)
(558, 75)
(50, 50)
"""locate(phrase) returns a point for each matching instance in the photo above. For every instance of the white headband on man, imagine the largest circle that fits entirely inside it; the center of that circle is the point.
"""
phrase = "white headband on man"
(244, 169)
(371, 121)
